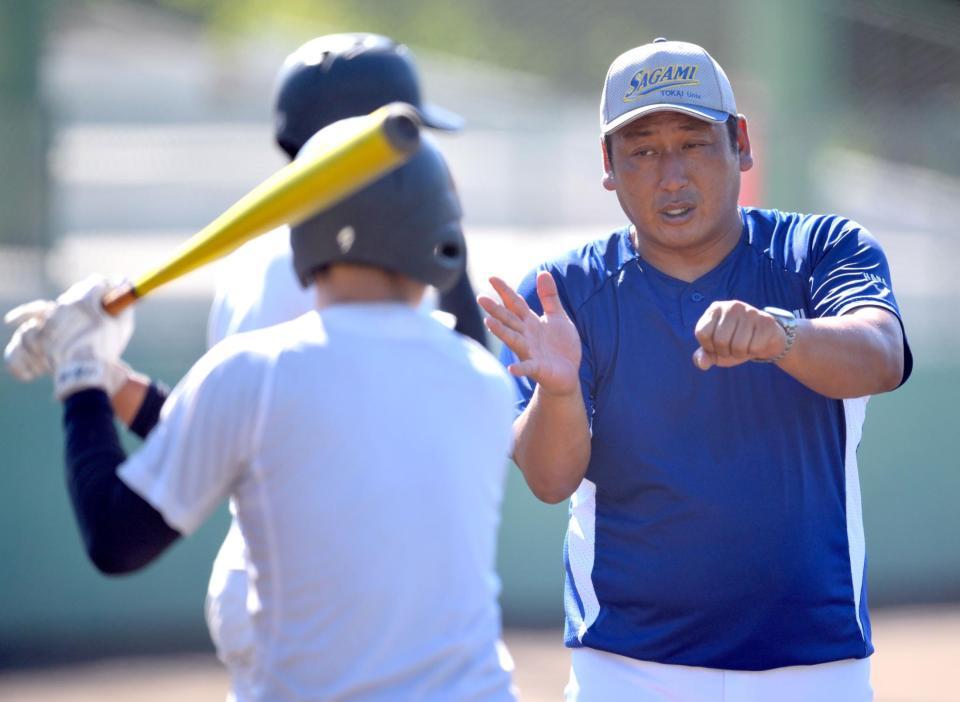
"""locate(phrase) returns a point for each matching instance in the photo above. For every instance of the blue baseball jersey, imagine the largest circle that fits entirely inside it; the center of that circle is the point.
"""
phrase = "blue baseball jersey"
(719, 521)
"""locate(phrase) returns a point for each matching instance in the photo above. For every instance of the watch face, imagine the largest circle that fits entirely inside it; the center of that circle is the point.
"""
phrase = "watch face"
(777, 312)
(785, 318)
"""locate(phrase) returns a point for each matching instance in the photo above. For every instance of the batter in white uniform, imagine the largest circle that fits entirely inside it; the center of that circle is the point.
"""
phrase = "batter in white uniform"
(326, 79)
(366, 490)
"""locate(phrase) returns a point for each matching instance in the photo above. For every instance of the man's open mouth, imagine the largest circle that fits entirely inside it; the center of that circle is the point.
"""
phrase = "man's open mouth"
(677, 211)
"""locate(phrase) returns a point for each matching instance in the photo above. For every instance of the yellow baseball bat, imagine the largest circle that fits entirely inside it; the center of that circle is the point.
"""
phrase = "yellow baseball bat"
(292, 194)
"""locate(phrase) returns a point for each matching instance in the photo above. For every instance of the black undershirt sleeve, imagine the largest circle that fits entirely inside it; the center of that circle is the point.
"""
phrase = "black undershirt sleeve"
(149, 413)
(121, 531)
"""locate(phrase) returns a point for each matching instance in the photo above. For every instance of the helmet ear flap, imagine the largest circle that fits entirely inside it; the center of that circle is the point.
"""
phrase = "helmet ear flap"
(448, 259)
(448, 251)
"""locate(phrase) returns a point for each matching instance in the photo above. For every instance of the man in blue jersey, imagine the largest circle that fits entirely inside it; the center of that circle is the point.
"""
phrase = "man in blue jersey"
(696, 384)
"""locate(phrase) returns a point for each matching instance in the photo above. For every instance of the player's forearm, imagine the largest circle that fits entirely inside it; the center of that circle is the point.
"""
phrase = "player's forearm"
(121, 531)
(138, 403)
(129, 398)
(552, 445)
(853, 355)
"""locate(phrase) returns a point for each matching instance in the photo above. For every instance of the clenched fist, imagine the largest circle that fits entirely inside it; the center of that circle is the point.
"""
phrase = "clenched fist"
(732, 332)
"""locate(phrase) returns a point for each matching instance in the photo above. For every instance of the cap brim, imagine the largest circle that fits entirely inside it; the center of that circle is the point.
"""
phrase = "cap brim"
(706, 114)
(440, 118)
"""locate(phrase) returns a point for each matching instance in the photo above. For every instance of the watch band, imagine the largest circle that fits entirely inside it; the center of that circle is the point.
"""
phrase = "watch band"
(788, 322)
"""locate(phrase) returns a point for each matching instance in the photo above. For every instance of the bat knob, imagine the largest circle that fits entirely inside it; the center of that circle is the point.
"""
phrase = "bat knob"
(119, 299)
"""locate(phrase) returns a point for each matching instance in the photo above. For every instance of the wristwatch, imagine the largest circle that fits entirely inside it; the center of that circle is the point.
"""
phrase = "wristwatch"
(788, 322)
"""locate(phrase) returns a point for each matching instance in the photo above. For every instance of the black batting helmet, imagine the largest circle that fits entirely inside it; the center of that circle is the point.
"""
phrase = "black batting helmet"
(407, 221)
(345, 75)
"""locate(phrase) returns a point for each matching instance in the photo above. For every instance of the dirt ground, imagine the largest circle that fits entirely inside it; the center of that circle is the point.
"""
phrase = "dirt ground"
(918, 650)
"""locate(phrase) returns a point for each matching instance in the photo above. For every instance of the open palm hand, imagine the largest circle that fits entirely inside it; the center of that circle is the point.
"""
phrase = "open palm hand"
(547, 346)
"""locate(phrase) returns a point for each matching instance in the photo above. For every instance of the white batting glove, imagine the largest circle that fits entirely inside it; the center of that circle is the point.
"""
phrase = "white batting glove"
(24, 356)
(82, 343)
(81, 374)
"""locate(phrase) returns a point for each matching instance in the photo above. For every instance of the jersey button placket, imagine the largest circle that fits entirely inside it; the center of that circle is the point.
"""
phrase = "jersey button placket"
(694, 304)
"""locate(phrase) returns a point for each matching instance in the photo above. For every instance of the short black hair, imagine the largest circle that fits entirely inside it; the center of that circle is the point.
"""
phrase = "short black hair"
(733, 132)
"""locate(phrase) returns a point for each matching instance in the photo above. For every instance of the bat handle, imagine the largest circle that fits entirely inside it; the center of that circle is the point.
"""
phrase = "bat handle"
(119, 299)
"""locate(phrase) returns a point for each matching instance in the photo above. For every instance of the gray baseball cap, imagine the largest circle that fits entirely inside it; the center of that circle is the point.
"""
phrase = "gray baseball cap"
(664, 75)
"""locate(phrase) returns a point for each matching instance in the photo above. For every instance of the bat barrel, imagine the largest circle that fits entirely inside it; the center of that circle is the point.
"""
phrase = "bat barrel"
(382, 141)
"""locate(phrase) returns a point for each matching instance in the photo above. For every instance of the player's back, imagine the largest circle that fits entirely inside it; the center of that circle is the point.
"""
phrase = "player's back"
(371, 510)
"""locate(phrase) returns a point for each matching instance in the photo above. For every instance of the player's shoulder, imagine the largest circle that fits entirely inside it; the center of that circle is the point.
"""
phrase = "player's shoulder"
(234, 369)
(457, 357)
(246, 351)
(478, 356)
(764, 223)
(583, 271)
(791, 236)
(486, 368)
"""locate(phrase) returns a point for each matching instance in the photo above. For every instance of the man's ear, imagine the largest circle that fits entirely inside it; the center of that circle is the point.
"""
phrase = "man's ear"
(608, 181)
(743, 144)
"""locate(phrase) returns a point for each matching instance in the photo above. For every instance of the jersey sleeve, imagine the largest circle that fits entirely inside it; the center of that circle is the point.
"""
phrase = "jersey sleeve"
(850, 271)
(525, 386)
(207, 436)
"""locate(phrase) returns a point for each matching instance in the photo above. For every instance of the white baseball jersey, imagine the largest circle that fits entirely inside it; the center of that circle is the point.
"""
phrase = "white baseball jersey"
(256, 288)
(364, 448)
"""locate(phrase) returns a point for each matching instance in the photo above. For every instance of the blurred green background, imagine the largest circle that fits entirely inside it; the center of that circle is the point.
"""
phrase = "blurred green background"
(125, 126)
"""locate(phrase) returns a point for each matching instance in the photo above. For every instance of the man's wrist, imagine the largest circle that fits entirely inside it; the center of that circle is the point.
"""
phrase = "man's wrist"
(788, 324)
(571, 395)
